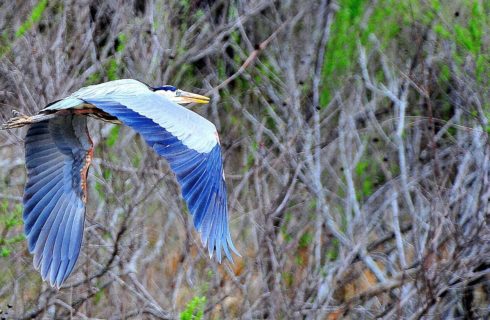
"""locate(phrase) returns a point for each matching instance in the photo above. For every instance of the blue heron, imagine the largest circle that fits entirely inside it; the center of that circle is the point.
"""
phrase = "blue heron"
(58, 152)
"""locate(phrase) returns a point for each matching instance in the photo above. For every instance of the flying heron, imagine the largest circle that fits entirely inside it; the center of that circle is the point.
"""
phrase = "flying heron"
(58, 152)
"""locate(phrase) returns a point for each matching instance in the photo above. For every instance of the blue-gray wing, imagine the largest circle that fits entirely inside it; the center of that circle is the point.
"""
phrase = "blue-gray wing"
(58, 154)
(191, 147)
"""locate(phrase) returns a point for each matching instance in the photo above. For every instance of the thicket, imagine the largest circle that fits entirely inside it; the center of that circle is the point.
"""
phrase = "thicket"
(355, 141)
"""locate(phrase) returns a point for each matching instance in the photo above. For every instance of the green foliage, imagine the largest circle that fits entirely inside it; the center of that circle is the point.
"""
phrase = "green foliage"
(10, 218)
(221, 69)
(198, 14)
(113, 66)
(100, 190)
(341, 45)
(194, 309)
(98, 296)
(367, 187)
(368, 175)
(475, 30)
(267, 70)
(366, 179)
(333, 250)
(299, 260)
(4, 252)
(121, 43)
(106, 173)
(361, 167)
(136, 160)
(305, 240)
(351, 25)
(284, 227)
(94, 78)
(444, 73)
(288, 278)
(113, 136)
(185, 5)
(435, 4)
(112, 69)
(250, 156)
(384, 21)
(354, 23)
(468, 35)
(35, 16)
(5, 45)
(442, 31)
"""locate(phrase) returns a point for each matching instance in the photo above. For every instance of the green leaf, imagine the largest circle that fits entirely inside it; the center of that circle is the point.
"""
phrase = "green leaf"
(442, 31)
(305, 240)
(361, 167)
(113, 136)
(35, 16)
(5, 252)
(121, 42)
(112, 69)
(194, 309)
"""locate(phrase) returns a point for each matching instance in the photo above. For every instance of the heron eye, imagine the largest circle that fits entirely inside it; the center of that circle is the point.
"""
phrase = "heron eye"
(178, 93)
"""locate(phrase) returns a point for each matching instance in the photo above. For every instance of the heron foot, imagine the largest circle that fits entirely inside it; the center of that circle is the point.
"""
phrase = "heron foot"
(18, 120)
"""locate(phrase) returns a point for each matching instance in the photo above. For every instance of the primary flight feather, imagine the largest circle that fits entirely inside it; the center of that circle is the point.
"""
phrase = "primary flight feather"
(59, 150)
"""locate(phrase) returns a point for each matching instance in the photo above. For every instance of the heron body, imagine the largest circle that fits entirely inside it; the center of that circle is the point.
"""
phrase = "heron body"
(59, 150)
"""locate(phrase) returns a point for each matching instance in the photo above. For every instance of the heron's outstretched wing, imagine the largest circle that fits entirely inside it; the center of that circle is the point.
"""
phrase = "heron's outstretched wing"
(190, 145)
(58, 154)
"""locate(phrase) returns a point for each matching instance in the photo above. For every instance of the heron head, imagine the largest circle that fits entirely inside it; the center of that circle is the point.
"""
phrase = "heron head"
(180, 96)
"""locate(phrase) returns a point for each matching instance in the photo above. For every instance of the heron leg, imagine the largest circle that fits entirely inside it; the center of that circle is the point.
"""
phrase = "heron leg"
(19, 120)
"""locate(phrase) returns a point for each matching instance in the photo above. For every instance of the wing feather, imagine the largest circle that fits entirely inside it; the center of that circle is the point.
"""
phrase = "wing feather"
(33, 196)
(45, 244)
(35, 219)
(37, 181)
(58, 243)
(56, 152)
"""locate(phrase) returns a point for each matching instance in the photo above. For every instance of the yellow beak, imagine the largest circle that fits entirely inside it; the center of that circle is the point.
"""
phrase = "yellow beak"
(188, 97)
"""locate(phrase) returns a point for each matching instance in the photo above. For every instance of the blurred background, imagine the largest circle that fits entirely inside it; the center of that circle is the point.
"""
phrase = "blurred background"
(355, 142)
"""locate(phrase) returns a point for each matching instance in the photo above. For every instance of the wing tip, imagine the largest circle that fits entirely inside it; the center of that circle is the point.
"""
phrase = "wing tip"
(225, 245)
(56, 279)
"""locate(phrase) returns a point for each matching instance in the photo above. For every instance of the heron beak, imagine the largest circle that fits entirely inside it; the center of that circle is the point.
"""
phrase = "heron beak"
(188, 97)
